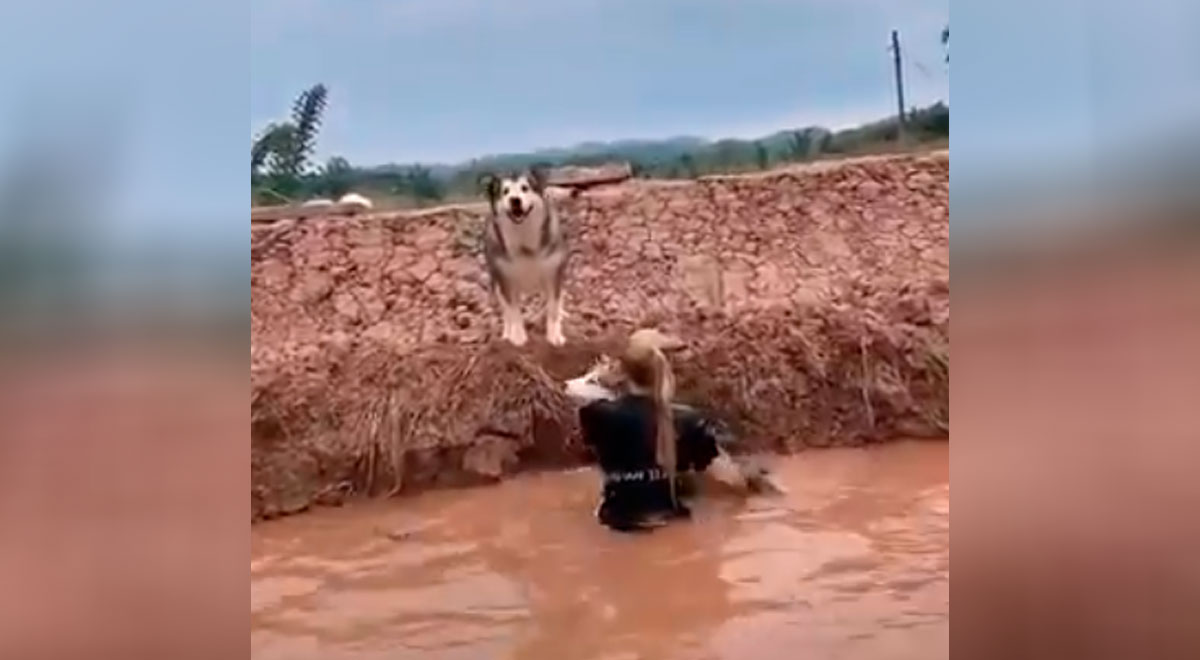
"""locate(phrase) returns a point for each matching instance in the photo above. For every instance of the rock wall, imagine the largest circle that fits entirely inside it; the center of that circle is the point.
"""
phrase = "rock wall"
(816, 300)
(727, 243)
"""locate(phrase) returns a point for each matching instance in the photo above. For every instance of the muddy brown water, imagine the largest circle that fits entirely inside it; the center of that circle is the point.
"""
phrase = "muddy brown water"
(854, 562)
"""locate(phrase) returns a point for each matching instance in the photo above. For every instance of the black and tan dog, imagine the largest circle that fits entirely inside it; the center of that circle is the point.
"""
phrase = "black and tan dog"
(525, 249)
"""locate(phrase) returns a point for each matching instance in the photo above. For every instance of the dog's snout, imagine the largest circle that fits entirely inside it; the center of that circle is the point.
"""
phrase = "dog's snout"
(514, 203)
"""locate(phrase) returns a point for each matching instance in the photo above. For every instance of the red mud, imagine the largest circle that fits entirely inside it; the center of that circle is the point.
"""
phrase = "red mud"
(816, 304)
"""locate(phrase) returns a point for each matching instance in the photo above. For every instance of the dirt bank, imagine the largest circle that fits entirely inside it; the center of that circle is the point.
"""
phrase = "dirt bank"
(816, 303)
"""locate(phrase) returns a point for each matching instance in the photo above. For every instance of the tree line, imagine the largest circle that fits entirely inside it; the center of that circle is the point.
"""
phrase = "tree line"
(282, 171)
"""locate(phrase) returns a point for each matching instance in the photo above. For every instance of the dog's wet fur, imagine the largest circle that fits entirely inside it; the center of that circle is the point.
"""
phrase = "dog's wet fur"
(525, 250)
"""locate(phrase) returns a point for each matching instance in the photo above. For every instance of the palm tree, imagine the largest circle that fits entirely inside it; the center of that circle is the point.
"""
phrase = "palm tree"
(283, 148)
(306, 117)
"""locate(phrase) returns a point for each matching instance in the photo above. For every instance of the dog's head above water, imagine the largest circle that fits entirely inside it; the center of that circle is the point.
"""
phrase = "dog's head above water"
(516, 196)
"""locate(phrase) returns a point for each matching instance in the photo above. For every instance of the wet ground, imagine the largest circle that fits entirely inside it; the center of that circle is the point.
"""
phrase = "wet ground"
(854, 562)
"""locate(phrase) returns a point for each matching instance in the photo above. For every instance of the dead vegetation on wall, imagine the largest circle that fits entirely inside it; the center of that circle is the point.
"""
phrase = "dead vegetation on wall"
(816, 308)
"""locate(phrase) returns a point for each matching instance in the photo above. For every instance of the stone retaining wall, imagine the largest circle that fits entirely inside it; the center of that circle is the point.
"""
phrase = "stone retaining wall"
(727, 243)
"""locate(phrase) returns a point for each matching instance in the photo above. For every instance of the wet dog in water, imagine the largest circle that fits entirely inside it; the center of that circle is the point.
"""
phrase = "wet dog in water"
(525, 250)
(608, 378)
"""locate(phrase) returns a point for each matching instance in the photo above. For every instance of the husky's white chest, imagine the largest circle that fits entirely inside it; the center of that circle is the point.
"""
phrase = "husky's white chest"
(526, 272)
(523, 238)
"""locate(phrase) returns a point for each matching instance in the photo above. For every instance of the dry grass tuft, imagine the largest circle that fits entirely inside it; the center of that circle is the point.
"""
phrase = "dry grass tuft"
(450, 396)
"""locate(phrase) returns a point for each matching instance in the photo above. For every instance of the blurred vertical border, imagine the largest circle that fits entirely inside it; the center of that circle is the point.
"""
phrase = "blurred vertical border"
(124, 323)
(1076, 259)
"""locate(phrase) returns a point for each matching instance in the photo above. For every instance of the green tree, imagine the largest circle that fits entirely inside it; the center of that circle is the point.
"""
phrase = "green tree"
(423, 185)
(826, 143)
(799, 145)
(270, 156)
(279, 156)
(274, 142)
(336, 177)
(687, 163)
(306, 118)
(761, 158)
(728, 154)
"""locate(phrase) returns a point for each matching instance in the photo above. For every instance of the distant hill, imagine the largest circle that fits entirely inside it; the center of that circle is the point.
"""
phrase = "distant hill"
(629, 149)
(676, 157)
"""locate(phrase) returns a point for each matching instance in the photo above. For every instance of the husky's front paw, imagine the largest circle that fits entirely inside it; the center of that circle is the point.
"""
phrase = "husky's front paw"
(515, 334)
(554, 335)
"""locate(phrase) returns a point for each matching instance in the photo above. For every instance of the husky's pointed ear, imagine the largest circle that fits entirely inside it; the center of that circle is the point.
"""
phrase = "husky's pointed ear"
(490, 185)
(539, 175)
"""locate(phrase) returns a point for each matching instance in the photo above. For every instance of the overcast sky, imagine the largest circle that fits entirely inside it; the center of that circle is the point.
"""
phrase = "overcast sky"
(1042, 84)
(446, 80)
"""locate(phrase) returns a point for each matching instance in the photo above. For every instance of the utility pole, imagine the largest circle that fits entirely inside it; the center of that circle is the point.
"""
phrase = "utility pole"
(899, 81)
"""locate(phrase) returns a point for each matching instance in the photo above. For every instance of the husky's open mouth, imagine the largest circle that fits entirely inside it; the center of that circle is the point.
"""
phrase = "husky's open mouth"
(519, 213)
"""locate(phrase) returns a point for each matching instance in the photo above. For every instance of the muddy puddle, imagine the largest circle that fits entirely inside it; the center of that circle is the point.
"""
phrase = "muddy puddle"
(853, 563)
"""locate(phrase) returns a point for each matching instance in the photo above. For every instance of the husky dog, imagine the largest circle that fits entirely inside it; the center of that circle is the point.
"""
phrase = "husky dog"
(525, 250)
(607, 377)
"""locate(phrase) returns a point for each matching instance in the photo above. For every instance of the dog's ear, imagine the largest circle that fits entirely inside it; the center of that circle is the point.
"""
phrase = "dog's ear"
(655, 338)
(490, 185)
(539, 174)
